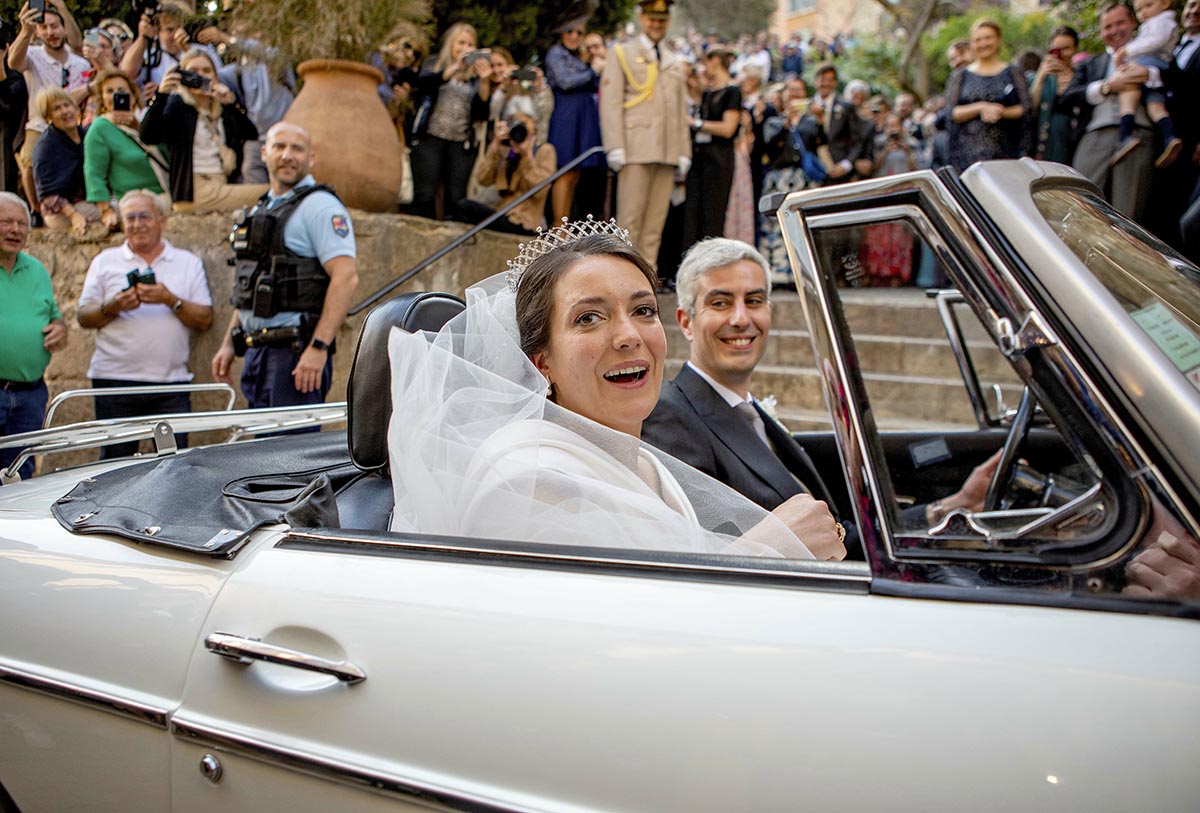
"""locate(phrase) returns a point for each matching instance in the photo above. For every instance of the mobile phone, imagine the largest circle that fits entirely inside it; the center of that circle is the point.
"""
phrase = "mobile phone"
(92, 37)
(191, 79)
(475, 56)
(136, 277)
(40, 7)
(1056, 53)
(121, 101)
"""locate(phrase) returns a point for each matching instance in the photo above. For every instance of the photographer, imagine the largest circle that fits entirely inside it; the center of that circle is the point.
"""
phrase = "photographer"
(145, 298)
(204, 129)
(452, 94)
(51, 64)
(115, 160)
(895, 151)
(398, 59)
(515, 164)
(161, 41)
(262, 79)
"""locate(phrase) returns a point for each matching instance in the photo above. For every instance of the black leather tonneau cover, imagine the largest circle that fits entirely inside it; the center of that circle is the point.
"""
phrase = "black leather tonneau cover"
(208, 500)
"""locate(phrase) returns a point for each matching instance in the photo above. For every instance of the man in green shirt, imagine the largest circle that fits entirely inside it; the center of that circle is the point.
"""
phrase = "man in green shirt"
(33, 329)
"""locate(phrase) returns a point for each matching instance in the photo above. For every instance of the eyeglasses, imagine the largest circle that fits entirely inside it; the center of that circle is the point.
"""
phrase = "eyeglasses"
(138, 217)
(66, 77)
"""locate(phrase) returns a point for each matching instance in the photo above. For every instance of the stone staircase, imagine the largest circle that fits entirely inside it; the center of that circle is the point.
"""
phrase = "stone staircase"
(910, 374)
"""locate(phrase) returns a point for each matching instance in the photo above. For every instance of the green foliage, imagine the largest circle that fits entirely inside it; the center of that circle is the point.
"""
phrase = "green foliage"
(521, 27)
(314, 29)
(730, 19)
(1021, 32)
(1084, 17)
(876, 61)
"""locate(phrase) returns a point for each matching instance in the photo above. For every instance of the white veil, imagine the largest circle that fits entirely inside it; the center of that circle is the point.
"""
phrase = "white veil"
(477, 450)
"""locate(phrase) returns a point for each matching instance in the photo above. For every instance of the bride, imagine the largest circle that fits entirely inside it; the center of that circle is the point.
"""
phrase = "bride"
(521, 419)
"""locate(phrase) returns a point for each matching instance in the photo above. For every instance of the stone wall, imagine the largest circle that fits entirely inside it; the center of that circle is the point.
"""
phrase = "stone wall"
(388, 245)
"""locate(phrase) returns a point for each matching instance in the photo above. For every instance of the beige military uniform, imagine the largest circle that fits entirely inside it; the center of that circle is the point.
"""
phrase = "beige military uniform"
(647, 121)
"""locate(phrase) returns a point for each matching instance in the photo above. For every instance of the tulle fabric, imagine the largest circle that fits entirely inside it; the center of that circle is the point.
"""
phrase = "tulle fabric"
(477, 450)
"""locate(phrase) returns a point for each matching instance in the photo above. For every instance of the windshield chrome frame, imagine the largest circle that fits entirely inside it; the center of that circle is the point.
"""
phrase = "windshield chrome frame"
(829, 207)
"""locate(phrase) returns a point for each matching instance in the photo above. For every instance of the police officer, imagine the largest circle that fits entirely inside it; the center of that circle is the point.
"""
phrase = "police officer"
(296, 276)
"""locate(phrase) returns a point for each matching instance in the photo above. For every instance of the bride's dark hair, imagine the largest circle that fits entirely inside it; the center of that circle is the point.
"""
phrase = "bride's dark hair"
(535, 294)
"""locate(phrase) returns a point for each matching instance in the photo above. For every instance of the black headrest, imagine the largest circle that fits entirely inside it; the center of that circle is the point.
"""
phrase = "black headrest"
(369, 393)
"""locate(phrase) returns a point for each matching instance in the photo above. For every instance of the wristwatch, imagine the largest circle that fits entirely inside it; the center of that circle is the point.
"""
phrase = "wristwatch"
(178, 306)
(1105, 89)
(319, 345)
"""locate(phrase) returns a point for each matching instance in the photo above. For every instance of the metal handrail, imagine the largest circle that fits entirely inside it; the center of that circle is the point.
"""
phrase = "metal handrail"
(154, 389)
(471, 232)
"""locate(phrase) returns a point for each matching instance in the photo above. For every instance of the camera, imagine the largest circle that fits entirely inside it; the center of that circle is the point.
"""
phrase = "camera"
(473, 57)
(517, 132)
(191, 79)
(146, 8)
(7, 35)
(526, 76)
(1056, 53)
(136, 277)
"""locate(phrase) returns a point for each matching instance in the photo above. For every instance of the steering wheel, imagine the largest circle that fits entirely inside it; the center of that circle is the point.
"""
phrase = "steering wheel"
(1006, 468)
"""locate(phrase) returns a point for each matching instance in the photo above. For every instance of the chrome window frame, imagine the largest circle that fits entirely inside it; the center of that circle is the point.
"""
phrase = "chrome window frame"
(843, 577)
(1002, 304)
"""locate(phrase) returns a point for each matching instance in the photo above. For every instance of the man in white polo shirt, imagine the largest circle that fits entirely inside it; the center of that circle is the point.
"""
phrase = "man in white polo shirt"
(51, 64)
(144, 298)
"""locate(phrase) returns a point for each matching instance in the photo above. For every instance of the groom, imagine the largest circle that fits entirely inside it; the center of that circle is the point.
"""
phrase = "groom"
(706, 417)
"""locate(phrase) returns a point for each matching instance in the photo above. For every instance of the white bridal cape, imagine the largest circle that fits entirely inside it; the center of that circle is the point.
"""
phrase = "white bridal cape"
(477, 450)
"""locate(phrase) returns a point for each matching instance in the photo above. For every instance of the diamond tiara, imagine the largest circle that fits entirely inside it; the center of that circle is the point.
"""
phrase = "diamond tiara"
(550, 239)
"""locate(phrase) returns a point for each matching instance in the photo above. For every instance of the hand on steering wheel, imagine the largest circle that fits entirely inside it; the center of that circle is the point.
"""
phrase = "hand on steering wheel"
(1006, 468)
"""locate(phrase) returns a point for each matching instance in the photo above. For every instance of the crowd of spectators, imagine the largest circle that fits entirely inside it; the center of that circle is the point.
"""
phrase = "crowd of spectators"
(110, 110)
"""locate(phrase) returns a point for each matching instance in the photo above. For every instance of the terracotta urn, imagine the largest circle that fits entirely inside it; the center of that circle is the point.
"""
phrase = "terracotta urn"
(356, 146)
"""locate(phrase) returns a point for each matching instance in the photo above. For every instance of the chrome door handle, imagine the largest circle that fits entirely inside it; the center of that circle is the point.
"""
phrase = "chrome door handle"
(246, 650)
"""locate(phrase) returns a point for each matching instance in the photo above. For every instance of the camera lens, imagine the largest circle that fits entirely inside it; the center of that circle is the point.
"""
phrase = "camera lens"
(517, 133)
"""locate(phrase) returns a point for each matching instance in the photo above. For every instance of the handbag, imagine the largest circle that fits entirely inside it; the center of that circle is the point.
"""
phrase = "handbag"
(814, 170)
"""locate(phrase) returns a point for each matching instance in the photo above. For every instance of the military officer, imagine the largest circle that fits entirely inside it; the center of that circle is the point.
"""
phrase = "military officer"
(644, 125)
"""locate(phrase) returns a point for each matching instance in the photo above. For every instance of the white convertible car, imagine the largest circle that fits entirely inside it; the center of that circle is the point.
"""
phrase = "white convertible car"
(233, 628)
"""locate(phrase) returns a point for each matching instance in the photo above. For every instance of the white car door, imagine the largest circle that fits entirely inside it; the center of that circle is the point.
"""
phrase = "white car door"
(500, 680)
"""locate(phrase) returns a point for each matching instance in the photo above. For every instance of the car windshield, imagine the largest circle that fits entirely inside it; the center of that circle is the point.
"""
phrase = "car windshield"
(1159, 289)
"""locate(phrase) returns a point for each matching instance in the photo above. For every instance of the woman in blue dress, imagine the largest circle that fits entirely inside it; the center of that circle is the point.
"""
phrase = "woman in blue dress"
(575, 123)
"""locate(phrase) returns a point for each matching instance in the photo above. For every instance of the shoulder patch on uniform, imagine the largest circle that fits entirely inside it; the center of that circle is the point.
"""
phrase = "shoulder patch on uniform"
(341, 225)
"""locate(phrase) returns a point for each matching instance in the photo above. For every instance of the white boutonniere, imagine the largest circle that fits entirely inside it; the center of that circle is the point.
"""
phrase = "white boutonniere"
(770, 405)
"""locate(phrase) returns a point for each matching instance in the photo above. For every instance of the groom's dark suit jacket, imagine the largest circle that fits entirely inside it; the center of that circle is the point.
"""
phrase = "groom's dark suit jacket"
(693, 423)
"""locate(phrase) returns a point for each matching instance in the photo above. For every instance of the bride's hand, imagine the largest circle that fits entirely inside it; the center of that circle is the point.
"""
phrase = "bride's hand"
(810, 520)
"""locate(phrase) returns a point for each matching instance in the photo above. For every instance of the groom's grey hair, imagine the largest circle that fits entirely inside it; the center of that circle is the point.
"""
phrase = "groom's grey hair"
(707, 256)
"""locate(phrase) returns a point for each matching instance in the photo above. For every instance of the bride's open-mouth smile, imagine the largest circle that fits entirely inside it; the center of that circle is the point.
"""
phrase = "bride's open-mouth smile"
(629, 375)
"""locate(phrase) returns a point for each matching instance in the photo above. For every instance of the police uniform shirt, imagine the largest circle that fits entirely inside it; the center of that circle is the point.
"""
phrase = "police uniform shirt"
(320, 227)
